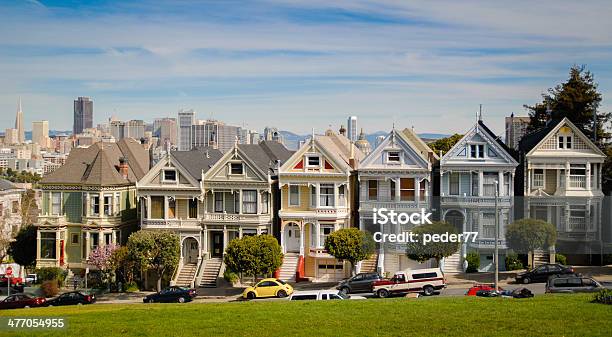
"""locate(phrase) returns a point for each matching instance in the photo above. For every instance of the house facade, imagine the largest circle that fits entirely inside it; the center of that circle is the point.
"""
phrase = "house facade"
(562, 185)
(396, 175)
(475, 172)
(210, 198)
(317, 186)
(89, 202)
(10, 209)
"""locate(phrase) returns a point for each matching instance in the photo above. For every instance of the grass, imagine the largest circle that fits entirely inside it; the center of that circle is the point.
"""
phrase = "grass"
(545, 315)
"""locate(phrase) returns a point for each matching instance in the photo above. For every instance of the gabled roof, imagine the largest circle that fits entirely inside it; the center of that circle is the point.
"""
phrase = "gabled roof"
(197, 160)
(497, 138)
(532, 141)
(98, 164)
(408, 142)
(265, 154)
(419, 144)
(6, 185)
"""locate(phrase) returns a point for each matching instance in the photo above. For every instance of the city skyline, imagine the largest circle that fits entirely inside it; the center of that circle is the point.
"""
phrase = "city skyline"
(245, 65)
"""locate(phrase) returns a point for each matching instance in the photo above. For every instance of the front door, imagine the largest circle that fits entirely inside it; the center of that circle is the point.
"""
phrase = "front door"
(217, 244)
(292, 238)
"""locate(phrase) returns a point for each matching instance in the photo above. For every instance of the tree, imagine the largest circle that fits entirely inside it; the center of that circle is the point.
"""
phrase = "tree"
(527, 235)
(350, 244)
(122, 264)
(101, 259)
(443, 145)
(5, 243)
(253, 255)
(23, 249)
(422, 251)
(155, 250)
(29, 209)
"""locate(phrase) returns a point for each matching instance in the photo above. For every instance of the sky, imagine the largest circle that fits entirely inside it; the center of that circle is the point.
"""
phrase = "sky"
(297, 64)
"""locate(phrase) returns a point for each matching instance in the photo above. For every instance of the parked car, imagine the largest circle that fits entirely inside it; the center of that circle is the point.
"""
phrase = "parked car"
(360, 283)
(543, 272)
(323, 295)
(72, 298)
(21, 301)
(172, 294)
(268, 287)
(31, 278)
(426, 281)
(574, 284)
(480, 287)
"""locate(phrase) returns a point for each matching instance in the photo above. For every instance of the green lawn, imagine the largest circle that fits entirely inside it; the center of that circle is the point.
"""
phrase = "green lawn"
(545, 315)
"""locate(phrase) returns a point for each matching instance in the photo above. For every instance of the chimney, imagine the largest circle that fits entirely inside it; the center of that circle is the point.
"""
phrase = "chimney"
(123, 167)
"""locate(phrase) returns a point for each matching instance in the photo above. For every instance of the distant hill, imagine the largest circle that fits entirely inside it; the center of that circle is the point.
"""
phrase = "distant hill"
(292, 139)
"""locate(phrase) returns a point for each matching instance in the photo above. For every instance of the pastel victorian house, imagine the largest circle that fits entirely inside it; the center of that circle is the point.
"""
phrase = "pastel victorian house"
(561, 181)
(10, 209)
(210, 198)
(316, 190)
(89, 202)
(396, 175)
(473, 172)
(171, 199)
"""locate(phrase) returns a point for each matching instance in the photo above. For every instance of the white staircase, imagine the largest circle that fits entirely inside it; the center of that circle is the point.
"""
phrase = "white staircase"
(391, 264)
(540, 257)
(452, 264)
(210, 273)
(186, 275)
(289, 267)
(369, 265)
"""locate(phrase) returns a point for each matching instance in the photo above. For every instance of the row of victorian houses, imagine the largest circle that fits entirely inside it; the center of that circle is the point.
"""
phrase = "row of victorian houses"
(209, 198)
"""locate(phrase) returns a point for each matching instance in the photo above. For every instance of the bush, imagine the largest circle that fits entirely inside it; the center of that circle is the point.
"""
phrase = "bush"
(473, 260)
(51, 273)
(230, 276)
(513, 262)
(131, 287)
(604, 296)
(560, 258)
(50, 288)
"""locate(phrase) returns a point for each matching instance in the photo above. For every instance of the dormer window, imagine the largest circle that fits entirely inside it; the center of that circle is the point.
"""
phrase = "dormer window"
(169, 175)
(236, 168)
(565, 142)
(313, 161)
(477, 150)
(393, 157)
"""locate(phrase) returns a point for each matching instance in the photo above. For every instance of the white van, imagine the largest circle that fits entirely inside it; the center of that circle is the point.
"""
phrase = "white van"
(411, 280)
(322, 295)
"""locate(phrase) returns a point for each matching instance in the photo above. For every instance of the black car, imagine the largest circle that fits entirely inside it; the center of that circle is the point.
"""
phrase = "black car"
(360, 283)
(172, 294)
(543, 272)
(72, 298)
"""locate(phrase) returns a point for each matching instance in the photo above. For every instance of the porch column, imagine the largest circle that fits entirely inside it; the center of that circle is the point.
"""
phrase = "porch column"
(302, 248)
(114, 237)
(500, 184)
(417, 192)
(181, 252)
(58, 246)
(335, 195)
(567, 175)
(258, 201)
(87, 246)
(480, 183)
(318, 194)
(397, 189)
(165, 207)
(588, 175)
(205, 241)
(148, 207)
(317, 230)
(511, 184)
(38, 244)
(282, 236)
(225, 238)
(240, 232)
(239, 201)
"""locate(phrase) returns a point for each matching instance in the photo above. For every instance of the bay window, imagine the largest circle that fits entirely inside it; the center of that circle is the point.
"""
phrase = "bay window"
(341, 196)
(294, 195)
(193, 208)
(453, 188)
(422, 185)
(538, 178)
(56, 203)
(488, 183)
(108, 204)
(218, 202)
(313, 196)
(372, 189)
(325, 231)
(171, 208)
(407, 189)
(157, 207)
(94, 201)
(47, 245)
(326, 195)
(249, 202)
(265, 203)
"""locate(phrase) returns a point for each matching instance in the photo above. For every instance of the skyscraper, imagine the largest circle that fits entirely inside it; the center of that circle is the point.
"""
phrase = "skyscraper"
(40, 133)
(352, 128)
(516, 128)
(186, 118)
(83, 115)
(19, 124)
(165, 130)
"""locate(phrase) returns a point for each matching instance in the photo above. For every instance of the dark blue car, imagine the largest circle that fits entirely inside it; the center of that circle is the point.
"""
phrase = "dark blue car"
(172, 294)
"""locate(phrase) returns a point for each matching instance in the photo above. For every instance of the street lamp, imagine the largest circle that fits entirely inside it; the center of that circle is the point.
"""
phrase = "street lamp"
(496, 254)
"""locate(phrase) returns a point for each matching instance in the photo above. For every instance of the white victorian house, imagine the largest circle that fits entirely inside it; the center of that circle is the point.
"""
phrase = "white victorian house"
(562, 184)
(471, 172)
(396, 175)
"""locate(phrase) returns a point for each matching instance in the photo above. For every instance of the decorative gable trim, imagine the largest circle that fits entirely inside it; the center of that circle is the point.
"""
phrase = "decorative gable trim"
(394, 141)
(546, 141)
(477, 136)
(167, 162)
(296, 161)
(233, 156)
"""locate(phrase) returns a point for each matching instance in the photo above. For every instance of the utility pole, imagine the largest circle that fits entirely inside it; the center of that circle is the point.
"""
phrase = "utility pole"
(496, 254)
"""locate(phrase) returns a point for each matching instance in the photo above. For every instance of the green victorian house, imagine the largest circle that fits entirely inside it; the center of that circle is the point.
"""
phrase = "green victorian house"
(88, 202)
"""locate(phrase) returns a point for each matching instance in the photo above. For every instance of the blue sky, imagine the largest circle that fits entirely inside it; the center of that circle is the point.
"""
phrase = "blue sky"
(297, 64)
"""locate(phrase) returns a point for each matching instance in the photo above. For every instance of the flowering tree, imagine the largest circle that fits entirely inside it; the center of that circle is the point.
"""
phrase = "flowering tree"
(101, 259)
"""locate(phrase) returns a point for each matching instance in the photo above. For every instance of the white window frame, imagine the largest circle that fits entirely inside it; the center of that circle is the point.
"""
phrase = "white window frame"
(236, 163)
(164, 180)
(321, 195)
(322, 236)
(394, 162)
(298, 196)
(479, 154)
(537, 179)
(307, 161)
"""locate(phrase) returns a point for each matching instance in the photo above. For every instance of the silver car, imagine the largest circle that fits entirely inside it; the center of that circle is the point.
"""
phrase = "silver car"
(574, 284)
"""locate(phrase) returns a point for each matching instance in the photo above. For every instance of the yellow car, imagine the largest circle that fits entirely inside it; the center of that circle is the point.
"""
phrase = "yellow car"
(269, 287)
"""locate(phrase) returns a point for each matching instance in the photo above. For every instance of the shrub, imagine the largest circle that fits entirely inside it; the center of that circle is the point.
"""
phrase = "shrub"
(604, 296)
(513, 262)
(560, 258)
(473, 260)
(50, 288)
(230, 276)
(51, 273)
(130, 287)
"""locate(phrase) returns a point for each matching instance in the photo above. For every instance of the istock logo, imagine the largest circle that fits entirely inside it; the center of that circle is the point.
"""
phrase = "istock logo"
(382, 216)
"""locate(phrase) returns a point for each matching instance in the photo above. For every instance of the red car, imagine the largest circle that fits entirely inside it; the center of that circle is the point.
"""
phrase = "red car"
(21, 301)
(14, 280)
(478, 287)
